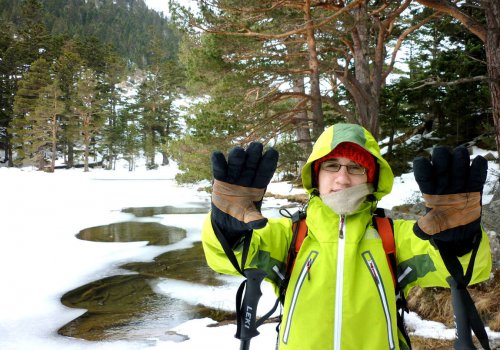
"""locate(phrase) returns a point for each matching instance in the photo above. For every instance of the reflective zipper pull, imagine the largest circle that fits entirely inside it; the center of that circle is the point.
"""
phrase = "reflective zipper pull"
(341, 229)
(309, 269)
(278, 272)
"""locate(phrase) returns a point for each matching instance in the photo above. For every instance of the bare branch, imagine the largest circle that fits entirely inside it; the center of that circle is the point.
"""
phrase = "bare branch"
(449, 83)
(403, 36)
(303, 29)
(451, 9)
(340, 109)
(396, 13)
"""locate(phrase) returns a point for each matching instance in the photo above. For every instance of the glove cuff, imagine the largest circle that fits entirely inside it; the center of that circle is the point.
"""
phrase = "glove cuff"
(237, 201)
(449, 211)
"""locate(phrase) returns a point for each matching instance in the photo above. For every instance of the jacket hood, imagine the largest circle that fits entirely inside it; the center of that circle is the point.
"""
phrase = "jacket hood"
(335, 135)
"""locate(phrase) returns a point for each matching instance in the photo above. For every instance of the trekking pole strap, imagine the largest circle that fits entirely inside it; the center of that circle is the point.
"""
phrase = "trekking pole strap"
(466, 315)
(248, 294)
(229, 251)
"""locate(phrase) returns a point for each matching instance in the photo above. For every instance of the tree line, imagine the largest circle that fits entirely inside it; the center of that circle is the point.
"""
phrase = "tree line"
(128, 25)
(63, 97)
(276, 71)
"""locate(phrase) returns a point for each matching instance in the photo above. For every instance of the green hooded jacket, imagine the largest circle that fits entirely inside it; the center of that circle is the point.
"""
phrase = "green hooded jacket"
(341, 294)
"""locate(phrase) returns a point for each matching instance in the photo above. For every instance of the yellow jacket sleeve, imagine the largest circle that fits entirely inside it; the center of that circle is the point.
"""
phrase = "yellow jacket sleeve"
(420, 263)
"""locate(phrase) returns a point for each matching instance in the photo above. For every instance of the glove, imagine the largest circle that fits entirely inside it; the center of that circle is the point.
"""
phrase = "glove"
(239, 187)
(452, 189)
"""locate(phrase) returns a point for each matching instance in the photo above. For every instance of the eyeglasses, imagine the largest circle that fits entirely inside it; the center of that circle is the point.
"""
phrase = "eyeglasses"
(334, 167)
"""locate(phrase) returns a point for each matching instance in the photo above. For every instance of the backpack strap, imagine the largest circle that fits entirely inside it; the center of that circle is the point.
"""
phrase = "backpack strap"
(299, 229)
(386, 231)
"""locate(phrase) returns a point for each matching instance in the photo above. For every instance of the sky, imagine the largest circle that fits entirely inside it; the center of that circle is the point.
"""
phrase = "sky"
(41, 258)
(158, 5)
(162, 5)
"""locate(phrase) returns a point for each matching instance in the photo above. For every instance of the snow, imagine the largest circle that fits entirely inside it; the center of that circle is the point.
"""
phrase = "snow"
(42, 259)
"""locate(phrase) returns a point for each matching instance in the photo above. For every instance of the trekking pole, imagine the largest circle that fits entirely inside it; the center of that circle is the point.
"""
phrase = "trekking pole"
(463, 335)
(467, 319)
(247, 308)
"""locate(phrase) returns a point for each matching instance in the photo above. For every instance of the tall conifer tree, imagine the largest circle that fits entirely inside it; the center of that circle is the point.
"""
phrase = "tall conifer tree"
(25, 102)
(88, 108)
(44, 121)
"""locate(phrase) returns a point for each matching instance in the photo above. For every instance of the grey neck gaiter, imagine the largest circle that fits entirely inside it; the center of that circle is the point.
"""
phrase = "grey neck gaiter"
(347, 201)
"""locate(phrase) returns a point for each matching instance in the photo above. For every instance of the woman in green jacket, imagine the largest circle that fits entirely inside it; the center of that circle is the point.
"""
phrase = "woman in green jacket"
(341, 294)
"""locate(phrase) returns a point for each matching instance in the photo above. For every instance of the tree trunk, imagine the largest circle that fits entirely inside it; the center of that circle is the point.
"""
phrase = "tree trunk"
(109, 164)
(54, 143)
(302, 131)
(164, 158)
(316, 107)
(492, 46)
(131, 163)
(86, 143)
(10, 162)
(165, 132)
(71, 155)
(368, 95)
(300, 119)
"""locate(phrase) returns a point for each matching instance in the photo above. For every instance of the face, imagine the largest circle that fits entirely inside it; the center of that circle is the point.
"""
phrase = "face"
(329, 181)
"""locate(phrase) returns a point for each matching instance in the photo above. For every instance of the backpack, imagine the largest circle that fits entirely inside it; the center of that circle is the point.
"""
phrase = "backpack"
(385, 228)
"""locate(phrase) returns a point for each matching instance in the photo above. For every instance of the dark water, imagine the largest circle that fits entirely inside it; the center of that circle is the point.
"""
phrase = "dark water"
(125, 307)
(151, 211)
(133, 231)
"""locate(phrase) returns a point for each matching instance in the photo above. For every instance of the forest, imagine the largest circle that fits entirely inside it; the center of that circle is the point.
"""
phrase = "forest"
(90, 82)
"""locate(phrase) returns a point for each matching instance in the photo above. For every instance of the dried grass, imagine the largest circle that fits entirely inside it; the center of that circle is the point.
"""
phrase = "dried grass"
(297, 198)
(435, 303)
(419, 343)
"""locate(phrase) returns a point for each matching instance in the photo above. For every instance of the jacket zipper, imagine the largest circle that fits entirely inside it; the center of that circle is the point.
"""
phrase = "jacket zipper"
(304, 273)
(372, 267)
(339, 285)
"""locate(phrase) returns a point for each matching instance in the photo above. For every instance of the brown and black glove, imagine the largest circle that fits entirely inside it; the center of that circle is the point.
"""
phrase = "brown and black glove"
(239, 187)
(452, 189)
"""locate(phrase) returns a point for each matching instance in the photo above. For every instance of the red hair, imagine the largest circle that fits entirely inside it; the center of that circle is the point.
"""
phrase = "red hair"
(352, 152)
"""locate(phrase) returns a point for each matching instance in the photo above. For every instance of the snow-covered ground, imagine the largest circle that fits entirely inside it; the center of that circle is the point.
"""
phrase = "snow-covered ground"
(41, 258)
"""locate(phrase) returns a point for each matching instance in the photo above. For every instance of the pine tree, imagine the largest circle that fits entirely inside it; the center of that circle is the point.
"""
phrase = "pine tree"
(8, 82)
(112, 94)
(28, 41)
(88, 108)
(25, 102)
(45, 125)
(130, 141)
(67, 68)
(159, 120)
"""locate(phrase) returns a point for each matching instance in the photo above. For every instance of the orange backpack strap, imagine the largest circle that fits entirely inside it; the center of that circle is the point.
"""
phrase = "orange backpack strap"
(299, 228)
(386, 232)
(299, 233)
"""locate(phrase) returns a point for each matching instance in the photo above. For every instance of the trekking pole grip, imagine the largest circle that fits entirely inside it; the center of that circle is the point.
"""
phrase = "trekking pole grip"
(250, 302)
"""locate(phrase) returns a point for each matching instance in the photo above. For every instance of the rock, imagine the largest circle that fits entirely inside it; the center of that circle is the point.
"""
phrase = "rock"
(491, 216)
(490, 157)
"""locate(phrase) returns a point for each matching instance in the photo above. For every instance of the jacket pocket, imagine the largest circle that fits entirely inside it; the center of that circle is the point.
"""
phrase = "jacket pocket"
(377, 278)
(304, 274)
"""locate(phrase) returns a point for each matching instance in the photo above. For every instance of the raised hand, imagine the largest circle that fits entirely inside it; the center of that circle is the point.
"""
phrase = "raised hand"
(452, 187)
(239, 187)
